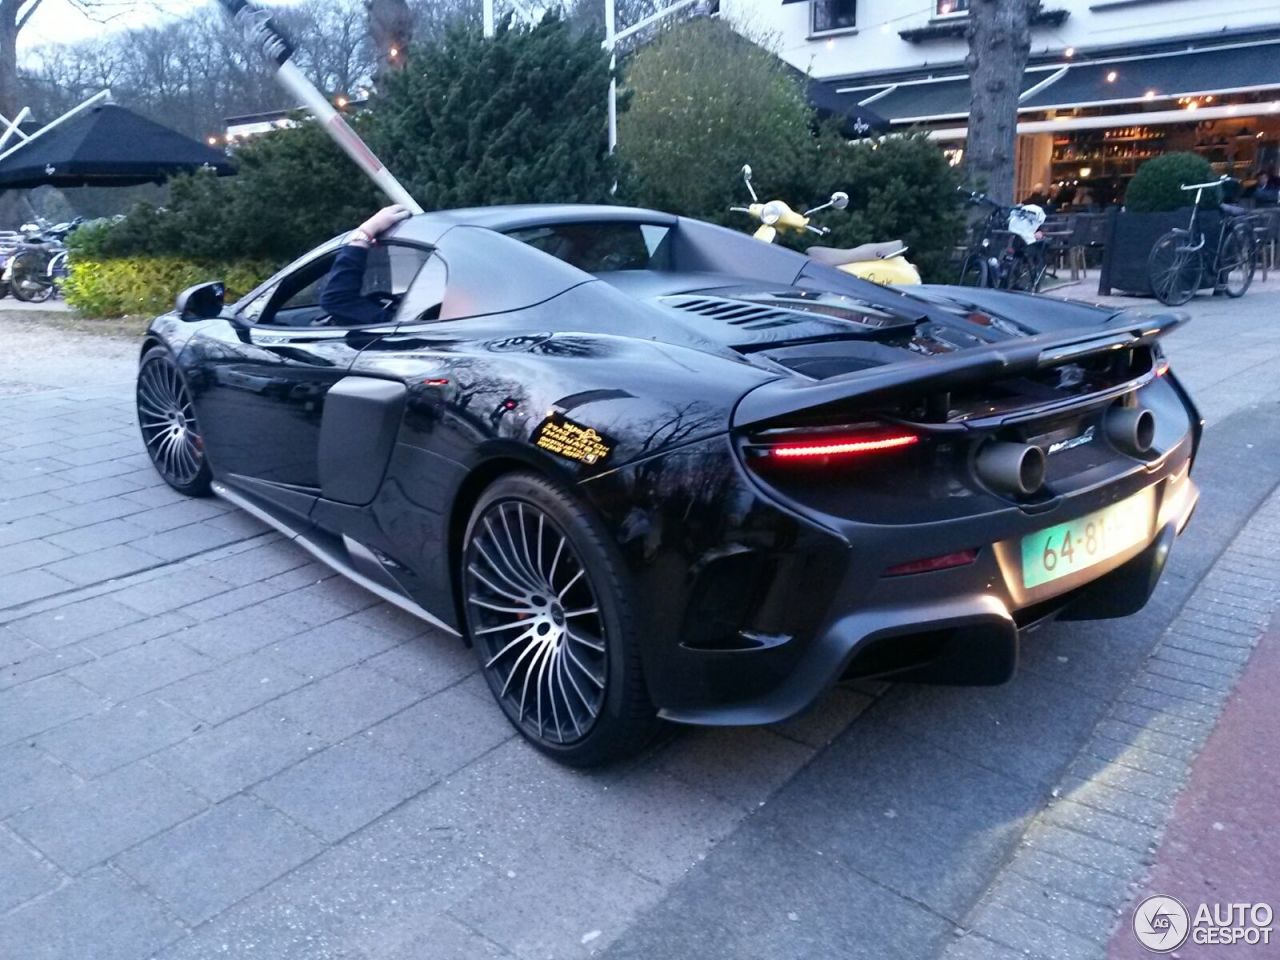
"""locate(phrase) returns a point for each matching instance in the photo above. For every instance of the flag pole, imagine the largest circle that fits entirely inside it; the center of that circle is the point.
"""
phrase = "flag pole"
(261, 32)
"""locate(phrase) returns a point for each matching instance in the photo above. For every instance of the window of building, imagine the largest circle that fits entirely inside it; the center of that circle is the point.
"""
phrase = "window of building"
(947, 8)
(831, 15)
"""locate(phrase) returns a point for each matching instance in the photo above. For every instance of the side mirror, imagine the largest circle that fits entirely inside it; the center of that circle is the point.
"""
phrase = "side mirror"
(746, 172)
(204, 301)
(840, 200)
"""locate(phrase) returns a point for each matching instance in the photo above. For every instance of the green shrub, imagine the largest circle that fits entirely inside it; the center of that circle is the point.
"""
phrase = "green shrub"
(1155, 188)
(705, 101)
(148, 285)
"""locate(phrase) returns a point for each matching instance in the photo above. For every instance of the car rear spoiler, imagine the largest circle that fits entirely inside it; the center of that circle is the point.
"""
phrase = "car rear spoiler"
(1122, 331)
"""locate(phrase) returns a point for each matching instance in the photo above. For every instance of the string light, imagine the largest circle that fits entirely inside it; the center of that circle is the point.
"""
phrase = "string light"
(395, 52)
(1069, 52)
(1111, 76)
(341, 102)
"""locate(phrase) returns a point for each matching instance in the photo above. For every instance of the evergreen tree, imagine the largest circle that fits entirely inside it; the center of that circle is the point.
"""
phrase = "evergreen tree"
(519, 118)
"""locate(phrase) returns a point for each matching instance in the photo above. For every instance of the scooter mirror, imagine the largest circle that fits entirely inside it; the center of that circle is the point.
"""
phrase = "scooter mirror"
(840, 200)
(746, 172)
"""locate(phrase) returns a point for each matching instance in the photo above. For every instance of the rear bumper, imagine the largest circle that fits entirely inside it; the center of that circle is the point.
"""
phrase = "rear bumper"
(957, 626)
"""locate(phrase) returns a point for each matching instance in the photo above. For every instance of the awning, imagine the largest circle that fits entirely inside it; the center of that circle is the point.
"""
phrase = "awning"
(1216, 70)
(106, 146)
(917, 101)
(856, 120)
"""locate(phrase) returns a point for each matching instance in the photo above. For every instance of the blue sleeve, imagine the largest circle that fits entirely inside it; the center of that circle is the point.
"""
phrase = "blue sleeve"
(341, 297)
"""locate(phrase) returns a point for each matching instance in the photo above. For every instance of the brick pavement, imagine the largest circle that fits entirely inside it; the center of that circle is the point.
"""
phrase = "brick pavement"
(213, 747)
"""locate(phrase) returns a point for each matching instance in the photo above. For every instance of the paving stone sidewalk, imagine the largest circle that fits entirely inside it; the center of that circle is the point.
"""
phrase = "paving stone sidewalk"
(1080, 861)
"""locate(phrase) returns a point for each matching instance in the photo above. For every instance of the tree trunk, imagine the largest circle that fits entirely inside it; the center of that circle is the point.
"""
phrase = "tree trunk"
(999, 36)
(391, 27)
(9, 97)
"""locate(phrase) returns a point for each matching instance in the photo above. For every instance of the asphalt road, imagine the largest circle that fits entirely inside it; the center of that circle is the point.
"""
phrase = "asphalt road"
(213, 748)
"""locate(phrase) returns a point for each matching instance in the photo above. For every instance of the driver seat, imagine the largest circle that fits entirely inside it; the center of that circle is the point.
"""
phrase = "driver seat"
(838, 257)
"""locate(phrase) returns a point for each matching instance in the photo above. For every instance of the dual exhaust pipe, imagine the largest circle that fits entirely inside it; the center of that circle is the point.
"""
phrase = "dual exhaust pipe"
(1018, 469)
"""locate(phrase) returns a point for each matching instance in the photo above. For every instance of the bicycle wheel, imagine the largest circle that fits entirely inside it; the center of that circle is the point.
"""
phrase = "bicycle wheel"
(1025, 275)
(29, 282)
(1236, 261)
(973, 272)
(1174, 269)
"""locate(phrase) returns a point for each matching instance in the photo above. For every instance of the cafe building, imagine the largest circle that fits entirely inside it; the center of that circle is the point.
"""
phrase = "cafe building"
(1109, 83)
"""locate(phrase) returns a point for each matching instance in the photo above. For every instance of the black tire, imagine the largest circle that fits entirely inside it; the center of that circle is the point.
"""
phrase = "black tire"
(1236, 262)
(1174, 270)
(29, 283)
(535, 563)
(974, 271)
(167, 420)
(1024, 275)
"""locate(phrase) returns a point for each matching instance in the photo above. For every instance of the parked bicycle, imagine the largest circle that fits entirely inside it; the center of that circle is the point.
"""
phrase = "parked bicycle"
(1180, 258)
(1008, 250)
(38, 268)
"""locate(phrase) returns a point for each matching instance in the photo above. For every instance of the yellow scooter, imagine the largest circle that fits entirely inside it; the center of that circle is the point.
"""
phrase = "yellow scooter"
(879, 262)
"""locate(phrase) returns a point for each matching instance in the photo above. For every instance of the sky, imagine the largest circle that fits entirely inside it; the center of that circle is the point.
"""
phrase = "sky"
(58, 21)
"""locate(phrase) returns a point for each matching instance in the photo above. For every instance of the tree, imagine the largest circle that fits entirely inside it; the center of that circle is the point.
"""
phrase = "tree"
(999, 37)
(517, 118)
(391, 27)
(705, 100)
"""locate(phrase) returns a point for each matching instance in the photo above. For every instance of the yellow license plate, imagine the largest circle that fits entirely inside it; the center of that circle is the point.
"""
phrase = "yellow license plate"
(1059, 551)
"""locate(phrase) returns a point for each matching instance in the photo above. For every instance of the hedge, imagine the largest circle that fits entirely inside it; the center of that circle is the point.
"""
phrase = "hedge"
(118, 287)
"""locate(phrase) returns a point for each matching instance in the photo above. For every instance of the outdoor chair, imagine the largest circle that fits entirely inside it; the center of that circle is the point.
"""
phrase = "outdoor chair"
(1266, 234)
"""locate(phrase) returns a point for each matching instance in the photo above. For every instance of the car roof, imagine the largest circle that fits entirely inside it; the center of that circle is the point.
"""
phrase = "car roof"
(429, 227)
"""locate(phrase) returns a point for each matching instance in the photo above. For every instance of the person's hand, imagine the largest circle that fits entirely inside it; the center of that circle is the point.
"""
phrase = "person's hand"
(384, 220)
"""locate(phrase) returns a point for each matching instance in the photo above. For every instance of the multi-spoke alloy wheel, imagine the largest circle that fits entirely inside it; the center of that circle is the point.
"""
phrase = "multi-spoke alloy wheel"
(545, 609)
(168, 422)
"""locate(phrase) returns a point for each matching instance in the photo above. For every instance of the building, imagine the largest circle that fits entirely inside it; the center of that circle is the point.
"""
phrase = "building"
(1109, 82)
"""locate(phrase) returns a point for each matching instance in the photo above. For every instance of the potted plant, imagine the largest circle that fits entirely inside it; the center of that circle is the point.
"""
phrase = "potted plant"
(1154, 204)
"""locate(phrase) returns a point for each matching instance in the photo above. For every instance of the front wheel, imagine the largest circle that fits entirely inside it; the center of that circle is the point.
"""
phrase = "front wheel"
(167, 419)
(1174, 268)
(974, 271)
(550, 613)
(1236, 262)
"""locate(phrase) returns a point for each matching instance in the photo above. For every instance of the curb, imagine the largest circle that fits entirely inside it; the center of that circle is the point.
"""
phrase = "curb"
(1060, 895)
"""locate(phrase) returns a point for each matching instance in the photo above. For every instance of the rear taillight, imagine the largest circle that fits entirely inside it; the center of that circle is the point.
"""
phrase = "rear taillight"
(946, 561)
(828, 445)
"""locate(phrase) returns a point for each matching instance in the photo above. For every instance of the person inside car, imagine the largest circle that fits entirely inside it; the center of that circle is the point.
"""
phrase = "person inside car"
(343, 297)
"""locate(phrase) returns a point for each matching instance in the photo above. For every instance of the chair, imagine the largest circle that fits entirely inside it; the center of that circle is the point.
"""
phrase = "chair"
(1266, 236)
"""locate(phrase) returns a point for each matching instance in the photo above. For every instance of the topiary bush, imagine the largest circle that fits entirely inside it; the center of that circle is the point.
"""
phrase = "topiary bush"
(1156, 187)
(121, 286)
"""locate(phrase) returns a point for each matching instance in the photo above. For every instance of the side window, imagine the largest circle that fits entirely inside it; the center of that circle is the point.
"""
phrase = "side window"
(601, 247)
(425, 296)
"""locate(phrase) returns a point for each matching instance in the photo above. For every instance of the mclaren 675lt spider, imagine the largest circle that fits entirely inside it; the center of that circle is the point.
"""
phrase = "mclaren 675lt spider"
(651, 469)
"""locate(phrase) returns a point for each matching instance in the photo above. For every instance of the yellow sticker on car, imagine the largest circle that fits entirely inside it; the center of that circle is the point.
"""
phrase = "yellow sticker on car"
(574, 441)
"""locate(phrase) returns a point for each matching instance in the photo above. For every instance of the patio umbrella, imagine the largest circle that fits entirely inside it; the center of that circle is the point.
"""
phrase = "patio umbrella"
(106, 146)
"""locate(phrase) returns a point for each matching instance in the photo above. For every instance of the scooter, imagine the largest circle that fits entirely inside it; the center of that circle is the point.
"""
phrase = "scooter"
(878, 262)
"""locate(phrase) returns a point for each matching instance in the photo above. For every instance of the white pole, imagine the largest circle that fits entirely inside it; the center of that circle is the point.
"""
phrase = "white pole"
(610, 42)
(260, 31)
(93, 101)
(13, 127)
(487, 7)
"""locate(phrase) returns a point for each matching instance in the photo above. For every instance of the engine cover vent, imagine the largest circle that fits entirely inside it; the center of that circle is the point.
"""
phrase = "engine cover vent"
(747, 316)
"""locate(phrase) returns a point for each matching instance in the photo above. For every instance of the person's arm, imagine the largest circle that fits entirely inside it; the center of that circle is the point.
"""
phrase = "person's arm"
(342, 298)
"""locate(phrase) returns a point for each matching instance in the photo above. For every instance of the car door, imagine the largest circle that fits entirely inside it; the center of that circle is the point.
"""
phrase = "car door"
(262, 379)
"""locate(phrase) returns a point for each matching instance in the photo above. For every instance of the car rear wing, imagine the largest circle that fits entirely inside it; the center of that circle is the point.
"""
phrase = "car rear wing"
(784, 397)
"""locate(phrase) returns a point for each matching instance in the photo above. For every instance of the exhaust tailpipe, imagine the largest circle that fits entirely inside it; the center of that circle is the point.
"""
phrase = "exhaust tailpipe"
(1131, 429)
(1016, 468)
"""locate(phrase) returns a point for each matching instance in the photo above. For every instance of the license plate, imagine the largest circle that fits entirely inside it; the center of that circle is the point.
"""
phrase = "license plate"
(1076, 545)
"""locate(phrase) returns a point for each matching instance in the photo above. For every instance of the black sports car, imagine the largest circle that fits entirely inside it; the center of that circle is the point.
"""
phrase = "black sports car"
(652, 468)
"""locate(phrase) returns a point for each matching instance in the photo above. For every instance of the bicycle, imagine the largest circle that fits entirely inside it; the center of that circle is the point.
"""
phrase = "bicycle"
(36, 272)
(1021, 263)
(1177, 263)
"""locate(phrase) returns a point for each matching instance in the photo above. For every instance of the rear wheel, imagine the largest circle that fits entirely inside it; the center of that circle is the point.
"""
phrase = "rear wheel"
(1236, 262)
(549, 611)
(29, 281)
(1024, 275)
(1174, 268)
(974, 271)
(167, 419)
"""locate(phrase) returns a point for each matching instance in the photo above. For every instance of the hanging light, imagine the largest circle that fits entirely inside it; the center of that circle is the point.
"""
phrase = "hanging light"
(1069, 52)
(1111, 76)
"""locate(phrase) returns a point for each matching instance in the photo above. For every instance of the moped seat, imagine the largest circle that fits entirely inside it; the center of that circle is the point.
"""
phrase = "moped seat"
(838, 256)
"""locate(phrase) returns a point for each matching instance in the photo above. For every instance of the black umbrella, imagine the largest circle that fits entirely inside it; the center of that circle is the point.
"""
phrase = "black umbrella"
(106, 146)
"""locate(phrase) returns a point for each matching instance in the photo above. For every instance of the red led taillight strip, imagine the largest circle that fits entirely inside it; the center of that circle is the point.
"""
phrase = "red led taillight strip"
(841, 447)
